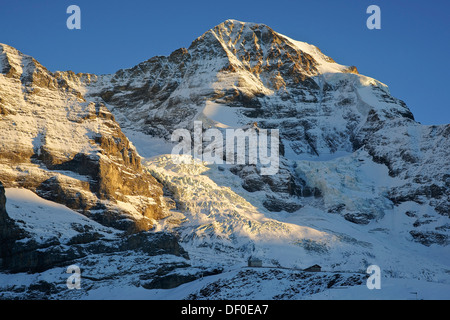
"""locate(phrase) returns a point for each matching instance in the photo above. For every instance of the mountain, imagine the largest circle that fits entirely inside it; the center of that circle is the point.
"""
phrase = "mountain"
(359, 182)
(239, 73)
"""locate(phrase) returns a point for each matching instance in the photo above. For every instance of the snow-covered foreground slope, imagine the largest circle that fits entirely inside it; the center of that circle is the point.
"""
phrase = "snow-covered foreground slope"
(218, 220)
(273, 284)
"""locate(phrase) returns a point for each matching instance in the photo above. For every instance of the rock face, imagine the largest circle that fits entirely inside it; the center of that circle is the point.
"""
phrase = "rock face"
(30, 256)
(69, 150)
(9, 232)
(3, 213)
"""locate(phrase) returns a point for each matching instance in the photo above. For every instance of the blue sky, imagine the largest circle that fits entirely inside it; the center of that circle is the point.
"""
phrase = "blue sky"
(411, 52)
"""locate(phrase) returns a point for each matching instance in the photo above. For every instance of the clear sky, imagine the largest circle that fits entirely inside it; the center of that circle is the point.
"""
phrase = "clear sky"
(410, 53)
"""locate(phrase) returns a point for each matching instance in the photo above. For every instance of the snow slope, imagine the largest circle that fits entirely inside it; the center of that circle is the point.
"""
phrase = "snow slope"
(45, 220)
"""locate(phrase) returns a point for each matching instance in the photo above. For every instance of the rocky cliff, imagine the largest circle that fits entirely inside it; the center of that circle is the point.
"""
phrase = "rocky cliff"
(70, 150)
(9, 231)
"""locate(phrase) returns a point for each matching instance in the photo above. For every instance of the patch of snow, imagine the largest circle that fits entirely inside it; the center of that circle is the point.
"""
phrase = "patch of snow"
(46, 219)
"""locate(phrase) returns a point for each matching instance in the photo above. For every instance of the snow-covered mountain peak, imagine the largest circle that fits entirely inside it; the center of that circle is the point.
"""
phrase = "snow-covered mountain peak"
(255, 48)
(15, 64)
(258, 46)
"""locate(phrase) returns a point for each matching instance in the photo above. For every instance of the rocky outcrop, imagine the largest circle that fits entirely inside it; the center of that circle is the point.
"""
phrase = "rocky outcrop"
(31, 256)
(167, 279)
(294, 284)
(3, 214)
(9, 231)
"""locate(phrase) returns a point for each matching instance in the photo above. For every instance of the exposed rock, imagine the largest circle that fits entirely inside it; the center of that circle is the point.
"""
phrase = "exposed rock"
(9, 231)
(279, 82)
(168, 280)
(359, 218)
(153, 244)
(428, 238)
